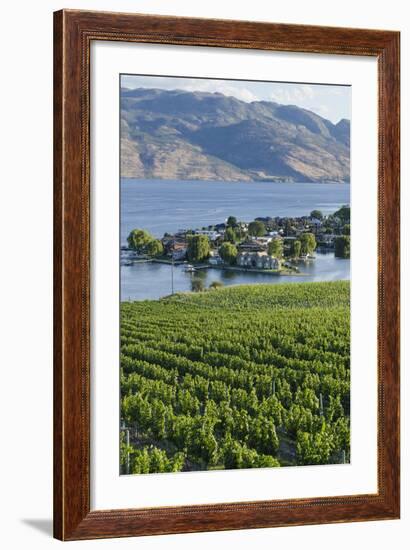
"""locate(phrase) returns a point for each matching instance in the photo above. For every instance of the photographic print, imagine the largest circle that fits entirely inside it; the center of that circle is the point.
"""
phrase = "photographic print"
(235, 274)
(218, 364)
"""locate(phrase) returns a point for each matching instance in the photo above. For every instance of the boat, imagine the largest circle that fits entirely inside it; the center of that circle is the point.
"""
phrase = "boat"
(189, 268)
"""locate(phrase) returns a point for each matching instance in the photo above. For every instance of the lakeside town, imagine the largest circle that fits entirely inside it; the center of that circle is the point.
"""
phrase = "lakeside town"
(270, 245)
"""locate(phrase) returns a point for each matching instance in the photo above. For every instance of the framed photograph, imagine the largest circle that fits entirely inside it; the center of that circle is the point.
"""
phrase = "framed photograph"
(226, 348)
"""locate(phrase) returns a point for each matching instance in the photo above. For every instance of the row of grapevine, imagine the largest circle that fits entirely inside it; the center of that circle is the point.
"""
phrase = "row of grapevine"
(227, 378)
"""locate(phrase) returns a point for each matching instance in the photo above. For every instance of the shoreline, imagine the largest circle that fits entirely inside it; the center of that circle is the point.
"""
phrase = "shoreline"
(201, 267)
(276, 273)
(249, 181)
(230, 287)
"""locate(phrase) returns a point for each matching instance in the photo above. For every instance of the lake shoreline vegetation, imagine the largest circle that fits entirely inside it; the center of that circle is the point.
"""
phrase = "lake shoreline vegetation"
(246, 376)
(264, 245)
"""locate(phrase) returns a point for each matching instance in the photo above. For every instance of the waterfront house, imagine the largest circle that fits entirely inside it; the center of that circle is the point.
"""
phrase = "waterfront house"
(178, 250)
(215, 260)
(270, 262)
(244, 259)
(257, 260)
(260, 260)
(251, 246)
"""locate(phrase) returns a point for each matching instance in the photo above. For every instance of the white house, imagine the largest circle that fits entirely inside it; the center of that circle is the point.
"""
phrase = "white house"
(258, 260)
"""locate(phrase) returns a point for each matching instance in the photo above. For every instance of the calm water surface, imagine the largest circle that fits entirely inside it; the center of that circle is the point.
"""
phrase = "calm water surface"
(166, 206)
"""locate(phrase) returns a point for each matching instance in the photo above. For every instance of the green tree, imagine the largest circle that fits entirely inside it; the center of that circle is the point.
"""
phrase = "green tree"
(295, 249)
(256, 229)
(198, 248)
(317, 214)
(230, 235)
(308, 243)
(231, 221)
(216, 284)
(275, 248)
(228, 253)
(154, 248)
(346, 229)
(138, 239)
(343, 214)
(240, 233)
(197, 285)
(342, 246)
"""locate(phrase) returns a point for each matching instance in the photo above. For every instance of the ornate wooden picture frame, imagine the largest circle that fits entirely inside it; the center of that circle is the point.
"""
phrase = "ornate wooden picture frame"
(74, 32)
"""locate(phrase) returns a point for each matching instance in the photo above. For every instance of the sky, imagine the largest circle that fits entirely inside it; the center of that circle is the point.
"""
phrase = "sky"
(329, 101)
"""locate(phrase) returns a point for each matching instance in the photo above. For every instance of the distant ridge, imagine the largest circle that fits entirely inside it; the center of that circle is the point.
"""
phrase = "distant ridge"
(175, 134)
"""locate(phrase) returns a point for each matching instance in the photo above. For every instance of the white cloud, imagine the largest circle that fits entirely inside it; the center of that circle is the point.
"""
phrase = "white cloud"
(221, 86)
(331, 102)
(296, 94)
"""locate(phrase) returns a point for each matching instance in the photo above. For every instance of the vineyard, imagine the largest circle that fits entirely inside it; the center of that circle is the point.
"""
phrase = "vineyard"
(240, 377)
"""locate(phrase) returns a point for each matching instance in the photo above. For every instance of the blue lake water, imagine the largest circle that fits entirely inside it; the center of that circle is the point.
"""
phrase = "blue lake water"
(165, 206)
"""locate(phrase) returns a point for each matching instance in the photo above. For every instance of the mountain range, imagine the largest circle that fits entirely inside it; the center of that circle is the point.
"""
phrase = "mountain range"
(177, 134)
